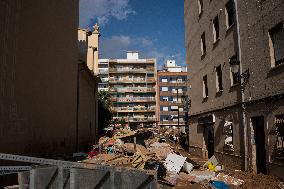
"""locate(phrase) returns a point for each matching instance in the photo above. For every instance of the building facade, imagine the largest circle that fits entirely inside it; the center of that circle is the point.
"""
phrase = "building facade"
(172, 96)
(38, 77)
(87, 87)
(234, 113)
(103, 74)
(132, 85)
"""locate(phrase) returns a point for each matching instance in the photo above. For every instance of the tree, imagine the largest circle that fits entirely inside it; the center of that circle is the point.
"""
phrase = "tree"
(104, 108)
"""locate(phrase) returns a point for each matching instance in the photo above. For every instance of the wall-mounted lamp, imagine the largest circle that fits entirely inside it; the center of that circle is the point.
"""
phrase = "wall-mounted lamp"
(235, 67)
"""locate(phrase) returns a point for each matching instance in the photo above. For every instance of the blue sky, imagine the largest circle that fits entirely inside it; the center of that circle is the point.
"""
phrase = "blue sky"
(153, 27)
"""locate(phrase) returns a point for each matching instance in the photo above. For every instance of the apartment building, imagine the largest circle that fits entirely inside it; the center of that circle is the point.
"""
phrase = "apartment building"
(103, 74)
(172, 96)
(132, 84)
(235, 55)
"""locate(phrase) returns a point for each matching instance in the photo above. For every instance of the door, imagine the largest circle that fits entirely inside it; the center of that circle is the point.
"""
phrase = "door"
(259, 134)
(209, 139)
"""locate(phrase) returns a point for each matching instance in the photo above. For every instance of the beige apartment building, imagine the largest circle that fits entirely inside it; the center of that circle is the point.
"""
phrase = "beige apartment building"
(235, 57)
(132, 84)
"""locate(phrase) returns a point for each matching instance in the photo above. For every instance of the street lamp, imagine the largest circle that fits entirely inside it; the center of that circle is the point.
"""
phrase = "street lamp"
(235, 67)
(242, 76)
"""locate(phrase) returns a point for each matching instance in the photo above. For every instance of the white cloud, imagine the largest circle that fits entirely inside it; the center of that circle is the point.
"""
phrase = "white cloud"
(116, 47)
(103, 10)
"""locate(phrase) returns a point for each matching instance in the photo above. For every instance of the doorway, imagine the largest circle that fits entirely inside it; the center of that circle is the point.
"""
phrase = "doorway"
(209, 139)
(259, 136)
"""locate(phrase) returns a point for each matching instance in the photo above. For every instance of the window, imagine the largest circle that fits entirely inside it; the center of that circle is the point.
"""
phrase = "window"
(230, 13)
(276, 44)
(228, 133)
(203, 45)
(174, 108)
(164, 88)
(165, 80)
(219, 85)
(200, 7)
(279, 146)
(165, 98)
(216, 28)
(165, 108)
(205, 87)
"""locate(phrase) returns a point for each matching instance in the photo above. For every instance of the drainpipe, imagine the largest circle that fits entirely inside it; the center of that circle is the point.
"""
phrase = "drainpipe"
(242, 87)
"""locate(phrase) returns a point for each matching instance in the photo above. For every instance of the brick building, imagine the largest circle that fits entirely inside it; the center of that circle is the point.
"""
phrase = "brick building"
(234, 115)
(172, 93)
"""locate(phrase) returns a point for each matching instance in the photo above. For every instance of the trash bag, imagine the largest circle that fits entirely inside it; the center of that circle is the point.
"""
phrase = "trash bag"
(220, 185)
(153, 164)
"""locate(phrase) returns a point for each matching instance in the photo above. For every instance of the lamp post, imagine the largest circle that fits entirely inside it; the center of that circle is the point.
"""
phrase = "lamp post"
(242, 76)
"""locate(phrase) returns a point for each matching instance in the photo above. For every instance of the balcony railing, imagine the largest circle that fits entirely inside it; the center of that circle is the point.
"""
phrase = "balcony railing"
(131, 99)
(128, 80)
(136, 119)
(173, 122)
(134, 109)
(131, 70)
(103, 71)
(133, 89)
(142, 119)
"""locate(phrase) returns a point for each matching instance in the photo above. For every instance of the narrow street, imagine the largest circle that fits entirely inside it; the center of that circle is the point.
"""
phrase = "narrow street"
(141, 94)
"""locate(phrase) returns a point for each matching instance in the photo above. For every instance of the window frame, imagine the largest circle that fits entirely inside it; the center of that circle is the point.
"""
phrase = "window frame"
(200, 7)
(205, 86)
(271, 32)
(214, 22)
(219, 78)
(230, 6)
(203, 44)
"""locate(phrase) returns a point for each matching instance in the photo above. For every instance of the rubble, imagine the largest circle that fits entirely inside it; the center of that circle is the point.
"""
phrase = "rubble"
(228, 179)
(175, 167)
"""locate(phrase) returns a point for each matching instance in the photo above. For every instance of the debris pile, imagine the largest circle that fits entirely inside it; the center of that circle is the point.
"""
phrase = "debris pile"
(157, 152)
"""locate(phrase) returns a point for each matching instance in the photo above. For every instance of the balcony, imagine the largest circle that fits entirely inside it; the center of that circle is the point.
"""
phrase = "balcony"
(134, 90)
(103, 71)
(128, 80)
(142, 119)
(171, 103)
(131, 70)
(134, 99)
(172, 123)
(181, 113)
(173, 84)
(172, 93)
(134, 109)
(104, 80)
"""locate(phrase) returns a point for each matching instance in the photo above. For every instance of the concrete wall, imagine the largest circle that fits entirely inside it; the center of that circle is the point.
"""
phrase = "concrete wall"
(88, 119)
(38, 76)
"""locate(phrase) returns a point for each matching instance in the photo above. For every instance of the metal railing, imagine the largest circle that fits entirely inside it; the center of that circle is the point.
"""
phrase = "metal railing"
(126, 99)
(133, 89)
